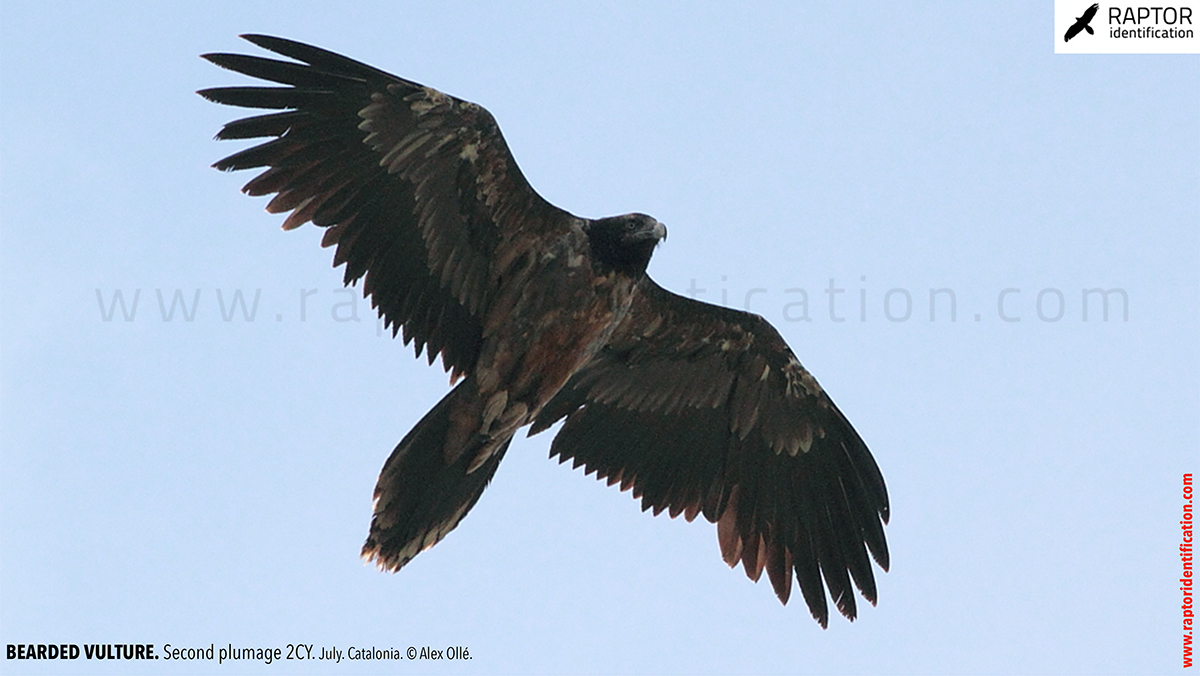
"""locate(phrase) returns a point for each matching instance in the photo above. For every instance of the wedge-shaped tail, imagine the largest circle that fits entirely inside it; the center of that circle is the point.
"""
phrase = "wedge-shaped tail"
(419, 497)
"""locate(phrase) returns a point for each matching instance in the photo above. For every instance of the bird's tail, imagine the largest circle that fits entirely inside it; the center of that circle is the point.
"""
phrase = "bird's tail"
(1089, 30)
(420, 497)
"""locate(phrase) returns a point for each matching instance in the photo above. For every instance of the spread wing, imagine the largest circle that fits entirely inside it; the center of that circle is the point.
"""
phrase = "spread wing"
(704, 410)
(417, 189)
(1073, 31)
(1090, 13)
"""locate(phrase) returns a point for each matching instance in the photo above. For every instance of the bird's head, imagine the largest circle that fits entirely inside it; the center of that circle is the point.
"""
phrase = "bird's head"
(625, 243)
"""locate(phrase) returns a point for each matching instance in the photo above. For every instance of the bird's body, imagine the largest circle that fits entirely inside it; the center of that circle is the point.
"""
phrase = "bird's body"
(546, 316)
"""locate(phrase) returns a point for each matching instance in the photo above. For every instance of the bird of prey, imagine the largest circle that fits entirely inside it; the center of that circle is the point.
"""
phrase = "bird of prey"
(544, 316)
(1081, 23)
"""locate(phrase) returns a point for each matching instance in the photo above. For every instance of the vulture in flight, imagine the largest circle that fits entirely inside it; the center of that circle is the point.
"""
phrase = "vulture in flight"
(542, 316)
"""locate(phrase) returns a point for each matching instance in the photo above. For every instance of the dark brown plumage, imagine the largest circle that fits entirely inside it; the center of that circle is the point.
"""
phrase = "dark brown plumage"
(545, 316)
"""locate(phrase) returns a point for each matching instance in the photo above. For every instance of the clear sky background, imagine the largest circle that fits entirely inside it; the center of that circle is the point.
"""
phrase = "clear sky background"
(205, 476)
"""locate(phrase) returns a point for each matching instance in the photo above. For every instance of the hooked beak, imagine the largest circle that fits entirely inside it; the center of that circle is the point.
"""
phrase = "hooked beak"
(660, 231)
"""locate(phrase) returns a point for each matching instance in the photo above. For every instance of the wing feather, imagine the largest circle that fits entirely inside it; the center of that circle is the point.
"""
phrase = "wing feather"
(704, 410)
(418, 189)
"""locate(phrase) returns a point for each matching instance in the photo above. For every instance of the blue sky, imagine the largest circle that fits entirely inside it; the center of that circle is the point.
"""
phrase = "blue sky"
(167, 478)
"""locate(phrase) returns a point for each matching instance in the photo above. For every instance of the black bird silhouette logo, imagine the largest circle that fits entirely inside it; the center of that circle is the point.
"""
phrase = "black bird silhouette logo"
(1081, 23)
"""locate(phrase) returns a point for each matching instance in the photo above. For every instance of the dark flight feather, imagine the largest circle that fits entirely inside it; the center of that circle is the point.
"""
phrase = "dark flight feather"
(776, 509)
(696, 409)
(340, 117)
